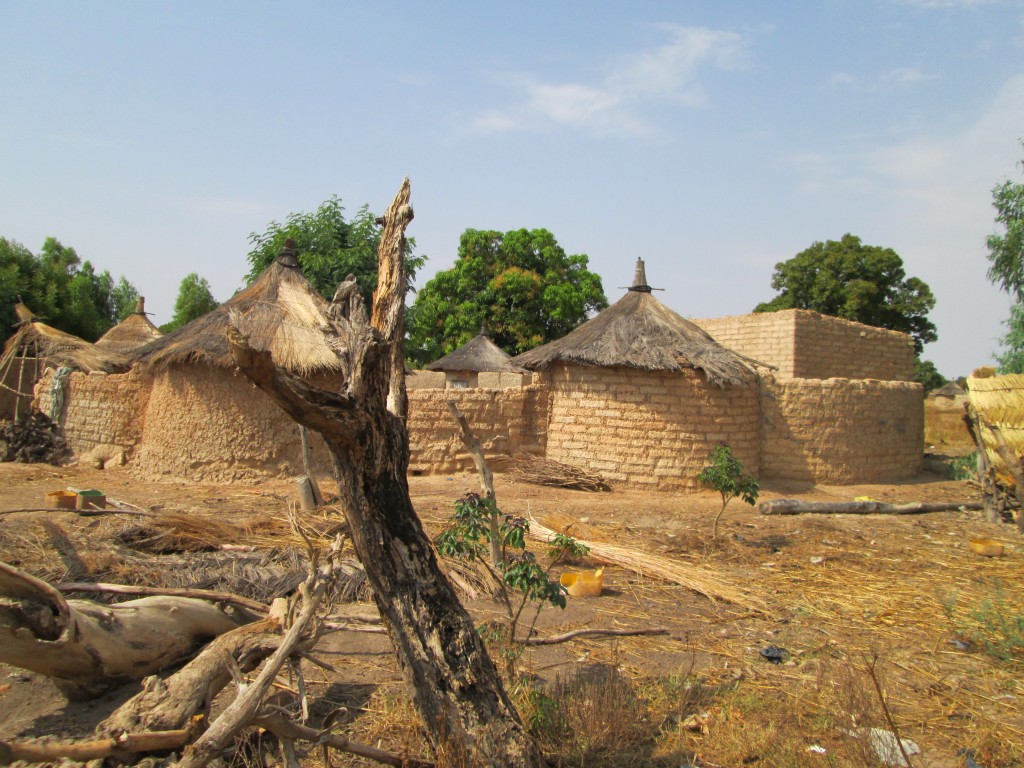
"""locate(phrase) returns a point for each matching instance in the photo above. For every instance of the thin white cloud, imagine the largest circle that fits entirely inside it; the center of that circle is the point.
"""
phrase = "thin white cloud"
(225, 206)
(901, 76)
(614, 105)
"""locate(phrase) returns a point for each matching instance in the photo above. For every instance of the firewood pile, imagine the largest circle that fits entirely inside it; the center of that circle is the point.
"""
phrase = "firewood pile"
(540, 471)
(32, 439)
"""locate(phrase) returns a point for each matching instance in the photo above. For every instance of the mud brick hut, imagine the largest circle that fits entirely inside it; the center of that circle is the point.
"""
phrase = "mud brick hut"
(462, 368)
(132, 333)
(36, 348)
(640, 395)
(184, 412)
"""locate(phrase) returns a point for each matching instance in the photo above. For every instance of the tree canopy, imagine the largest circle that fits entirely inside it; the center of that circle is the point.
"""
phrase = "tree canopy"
(1006, 258)
(194, 300)
(64, 291)
(328, 247)
(521, 283)
(1006, 250)
(864, 283)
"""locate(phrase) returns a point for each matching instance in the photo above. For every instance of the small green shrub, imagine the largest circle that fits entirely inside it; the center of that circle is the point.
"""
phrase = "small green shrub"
(993, 626)
(724, 473)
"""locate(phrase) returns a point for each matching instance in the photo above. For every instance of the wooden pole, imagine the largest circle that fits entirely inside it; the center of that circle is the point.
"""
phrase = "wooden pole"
(307, 467)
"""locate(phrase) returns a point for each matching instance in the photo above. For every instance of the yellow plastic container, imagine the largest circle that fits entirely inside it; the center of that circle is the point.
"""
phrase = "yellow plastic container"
(583, 583)
(986, 547)
(62, 499)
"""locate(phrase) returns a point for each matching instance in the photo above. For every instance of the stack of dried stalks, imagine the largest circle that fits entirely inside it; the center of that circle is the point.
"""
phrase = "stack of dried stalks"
(541, 471)
(32, 439)
(999, 402)
(699, 579)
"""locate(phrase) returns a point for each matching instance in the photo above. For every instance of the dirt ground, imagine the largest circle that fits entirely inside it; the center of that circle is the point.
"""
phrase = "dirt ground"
(837, 591)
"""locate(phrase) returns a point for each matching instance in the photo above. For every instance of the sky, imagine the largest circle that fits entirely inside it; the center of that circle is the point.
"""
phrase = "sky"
(712, 139)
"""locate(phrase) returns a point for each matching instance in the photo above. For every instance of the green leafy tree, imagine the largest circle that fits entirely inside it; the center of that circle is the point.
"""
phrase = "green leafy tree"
(124, 297)
(1012, 358)
(1006, 250)
(58, 287)
(927, 375)
(1006, 258)
(194, 300)
(522, 283)
(848, 279)
(328, 248)
(724, 473)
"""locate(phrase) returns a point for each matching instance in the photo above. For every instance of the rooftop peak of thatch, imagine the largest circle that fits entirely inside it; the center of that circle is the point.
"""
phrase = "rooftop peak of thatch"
(140, 306)
(638, 331)
(288, 256)
(640, 278)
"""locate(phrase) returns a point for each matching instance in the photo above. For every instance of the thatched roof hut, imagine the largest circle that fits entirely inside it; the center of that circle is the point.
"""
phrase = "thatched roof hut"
(36, 346)
(638, 331)
(479, 355)
(280, 312)
(203, 418)
(133, 332)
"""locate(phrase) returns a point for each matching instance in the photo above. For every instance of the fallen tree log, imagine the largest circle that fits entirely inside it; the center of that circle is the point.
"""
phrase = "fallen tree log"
(87, 648)
(798, 507)
(121, 746)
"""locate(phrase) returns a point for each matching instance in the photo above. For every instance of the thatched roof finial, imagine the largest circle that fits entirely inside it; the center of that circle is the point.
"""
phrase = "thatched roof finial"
(483, 328)
(287, 257)
(140, 306)
(640, 278)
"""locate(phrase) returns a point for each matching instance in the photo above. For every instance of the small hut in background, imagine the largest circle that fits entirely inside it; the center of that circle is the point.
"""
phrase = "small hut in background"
(641, 395)
(130, 334)
(34, 347)
(462, 368)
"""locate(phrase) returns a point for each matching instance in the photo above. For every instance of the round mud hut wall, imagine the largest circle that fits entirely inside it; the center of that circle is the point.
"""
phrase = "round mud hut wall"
(649, 428)
(211, 424)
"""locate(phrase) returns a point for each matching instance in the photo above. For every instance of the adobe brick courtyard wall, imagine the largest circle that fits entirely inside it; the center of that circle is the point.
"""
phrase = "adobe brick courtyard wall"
(944, 427)
(506, 421)
(841, 431)
(100, 409)
(807, 345)
(648, 429)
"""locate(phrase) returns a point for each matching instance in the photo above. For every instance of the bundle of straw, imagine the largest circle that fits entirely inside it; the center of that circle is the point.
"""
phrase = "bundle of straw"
(712, 586)
(999, 401)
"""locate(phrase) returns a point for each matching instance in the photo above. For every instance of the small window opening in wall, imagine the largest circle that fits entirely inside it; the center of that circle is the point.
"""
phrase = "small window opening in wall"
(460, 384)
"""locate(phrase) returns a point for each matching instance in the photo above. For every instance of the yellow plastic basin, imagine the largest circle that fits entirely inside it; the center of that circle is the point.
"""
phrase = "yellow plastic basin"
(986, 547)
(583, 583)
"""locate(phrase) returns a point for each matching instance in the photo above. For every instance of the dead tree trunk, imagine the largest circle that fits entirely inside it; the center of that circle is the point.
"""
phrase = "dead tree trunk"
(87, 648)
(454, 684)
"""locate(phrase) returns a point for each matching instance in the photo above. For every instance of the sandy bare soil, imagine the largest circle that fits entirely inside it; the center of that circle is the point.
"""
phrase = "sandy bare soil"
(835, 591)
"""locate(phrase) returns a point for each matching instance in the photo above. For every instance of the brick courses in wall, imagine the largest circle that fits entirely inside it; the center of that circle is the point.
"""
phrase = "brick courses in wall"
(645, 428)
(506, 421)
(100, 409)
(807, 345)
(841, 431)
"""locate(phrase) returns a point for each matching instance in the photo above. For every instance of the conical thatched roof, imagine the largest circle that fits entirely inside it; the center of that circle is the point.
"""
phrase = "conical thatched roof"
(280, 312)
(133, 332)
(35, 338)
(638, 331)
(480, 354)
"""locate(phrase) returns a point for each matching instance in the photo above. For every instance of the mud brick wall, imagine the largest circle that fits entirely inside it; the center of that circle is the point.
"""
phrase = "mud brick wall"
(211, 424)
(100, 409)
(505, 421)
(841, 431)
(648, 429)
(808, 345)
(944, 427)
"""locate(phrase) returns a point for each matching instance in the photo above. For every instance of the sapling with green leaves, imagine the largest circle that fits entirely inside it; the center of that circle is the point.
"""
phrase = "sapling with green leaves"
(724, 473)
(469, 537)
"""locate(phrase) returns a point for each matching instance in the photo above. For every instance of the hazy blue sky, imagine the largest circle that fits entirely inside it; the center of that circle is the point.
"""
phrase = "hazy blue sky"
(713, 139)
